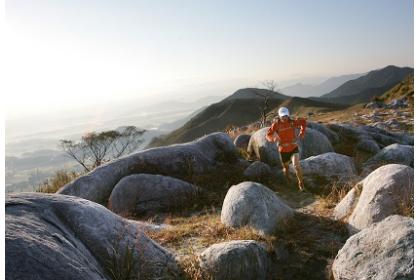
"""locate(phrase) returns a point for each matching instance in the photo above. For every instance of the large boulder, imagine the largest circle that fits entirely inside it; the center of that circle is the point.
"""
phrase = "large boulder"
(383, 251)
(257, 171)
(395, 153)
(199, 161)
(50, 236)
(314, 143)
(241, 259)
(331, 135)
(344, 208)
(242, 141)
(320, 171)
(254, 205)
(143, 194)
(384, 192)
(263, 150)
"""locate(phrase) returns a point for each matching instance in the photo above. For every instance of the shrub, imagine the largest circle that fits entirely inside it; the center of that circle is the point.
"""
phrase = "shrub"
(58, 180)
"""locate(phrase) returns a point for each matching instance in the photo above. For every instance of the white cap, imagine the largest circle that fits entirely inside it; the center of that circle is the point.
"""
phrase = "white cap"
(283, 111)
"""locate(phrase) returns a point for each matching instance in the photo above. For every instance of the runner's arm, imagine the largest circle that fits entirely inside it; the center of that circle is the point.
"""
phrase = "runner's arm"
(302, 124)
(272, 135)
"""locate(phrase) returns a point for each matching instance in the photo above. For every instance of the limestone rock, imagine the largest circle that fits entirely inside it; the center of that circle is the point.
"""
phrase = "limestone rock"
(241, 141)
(254, 205)
(321, 170)
(395, 153)
(314, 143)
(263, 150)
(384, 192)
(383, 251)
(51, 236)
(331, 135)
(202, 158)
(147, 194)
(257, 171)
(241, 259)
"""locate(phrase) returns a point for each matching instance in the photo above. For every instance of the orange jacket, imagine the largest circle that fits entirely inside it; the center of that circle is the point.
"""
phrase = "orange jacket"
(286, 132)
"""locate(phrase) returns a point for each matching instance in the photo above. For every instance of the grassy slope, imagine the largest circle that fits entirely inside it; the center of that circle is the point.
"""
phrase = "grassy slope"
(403, 89)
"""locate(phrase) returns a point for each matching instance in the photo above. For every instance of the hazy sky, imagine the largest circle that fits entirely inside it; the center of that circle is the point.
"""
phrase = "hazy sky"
(61, 53)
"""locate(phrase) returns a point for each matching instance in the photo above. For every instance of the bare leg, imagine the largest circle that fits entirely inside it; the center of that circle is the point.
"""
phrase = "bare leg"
(286, 171)
(298, 168)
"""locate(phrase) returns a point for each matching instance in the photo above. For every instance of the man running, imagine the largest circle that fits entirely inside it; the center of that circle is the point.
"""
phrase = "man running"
(283, 130)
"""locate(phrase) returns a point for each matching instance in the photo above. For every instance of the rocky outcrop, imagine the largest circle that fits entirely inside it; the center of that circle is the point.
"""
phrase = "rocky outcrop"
(364, 141)
(263, 150)
(254, 205)
(347, 204)
(50, 236)
(325, 169)
(314, 143)
(386, 191)
(331, 135)
(199, 160)
(257, 171)
(143, 194)
(242, 259)
(384, 250)
(242, 141)
(395, 153)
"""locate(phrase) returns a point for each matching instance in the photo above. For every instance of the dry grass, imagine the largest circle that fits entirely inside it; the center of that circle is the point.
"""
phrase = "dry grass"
(205, 229)
(331, 199)
(58, 180)
(406, 207)
(191, 268)
(234, 131)
(189, 235)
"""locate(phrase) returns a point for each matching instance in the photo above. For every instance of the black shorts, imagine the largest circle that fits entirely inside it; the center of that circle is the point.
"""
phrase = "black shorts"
(285, 157)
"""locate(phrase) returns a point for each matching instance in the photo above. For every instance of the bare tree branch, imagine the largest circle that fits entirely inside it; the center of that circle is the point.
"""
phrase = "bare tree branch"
(94, 149)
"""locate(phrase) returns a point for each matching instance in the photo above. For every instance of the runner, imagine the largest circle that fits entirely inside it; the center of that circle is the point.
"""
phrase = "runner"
(283, 131)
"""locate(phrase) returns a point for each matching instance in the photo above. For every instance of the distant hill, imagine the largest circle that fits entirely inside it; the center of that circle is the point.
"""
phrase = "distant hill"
(362, 97)
(364, 88)
(305, 90)
(238, 109)
(299, 106)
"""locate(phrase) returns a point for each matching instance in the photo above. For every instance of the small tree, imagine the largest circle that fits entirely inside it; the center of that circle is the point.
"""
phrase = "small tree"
(270, 85)
(95, 148)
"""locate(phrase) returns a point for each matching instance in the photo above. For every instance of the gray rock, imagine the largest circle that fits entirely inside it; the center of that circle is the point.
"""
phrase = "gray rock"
(202, 158)
(257, 171)
(374, 105)
(254, 205)
(50, 236)
(314, 143)
(263, 150)
(147, 194)
(364, 141)
(384, 192)
(398, 103)
(347, 204)
(395, 153)
(321, 170)
(242, 141)
(242, 259)
(331, 135)
(383, 251)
